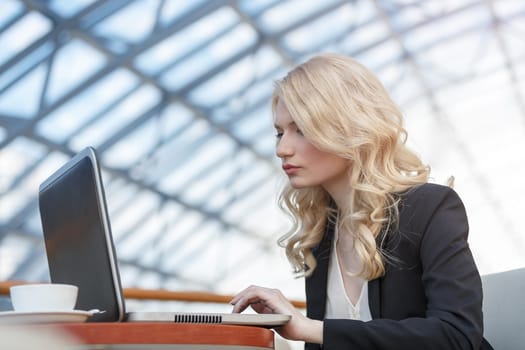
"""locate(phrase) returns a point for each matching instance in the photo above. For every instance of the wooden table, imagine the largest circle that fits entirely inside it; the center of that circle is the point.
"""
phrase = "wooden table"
(157, 335)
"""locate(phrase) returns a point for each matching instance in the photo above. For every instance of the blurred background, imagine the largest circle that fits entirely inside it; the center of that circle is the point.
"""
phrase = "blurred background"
(174, 95)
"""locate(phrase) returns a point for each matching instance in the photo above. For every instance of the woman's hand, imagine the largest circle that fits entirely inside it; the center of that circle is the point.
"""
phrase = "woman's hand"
(272, 301)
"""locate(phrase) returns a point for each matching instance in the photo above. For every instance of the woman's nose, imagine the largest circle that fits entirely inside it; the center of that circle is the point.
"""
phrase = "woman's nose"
(284, 147)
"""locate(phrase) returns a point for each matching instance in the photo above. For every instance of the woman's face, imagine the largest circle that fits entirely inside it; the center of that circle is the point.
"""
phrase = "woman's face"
(306, 165)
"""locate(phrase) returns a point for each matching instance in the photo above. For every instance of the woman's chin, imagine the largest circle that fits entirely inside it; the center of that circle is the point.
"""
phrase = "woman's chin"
(298, 184)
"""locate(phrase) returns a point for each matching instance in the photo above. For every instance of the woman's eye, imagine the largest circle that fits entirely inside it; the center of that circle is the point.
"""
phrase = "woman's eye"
(279, 134)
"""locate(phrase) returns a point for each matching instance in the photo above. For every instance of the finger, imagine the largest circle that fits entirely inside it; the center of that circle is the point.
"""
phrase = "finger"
(240, 295)
(246, 301)
(261, 308)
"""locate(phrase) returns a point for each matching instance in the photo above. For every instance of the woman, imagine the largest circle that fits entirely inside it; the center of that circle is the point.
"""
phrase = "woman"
(384, 253)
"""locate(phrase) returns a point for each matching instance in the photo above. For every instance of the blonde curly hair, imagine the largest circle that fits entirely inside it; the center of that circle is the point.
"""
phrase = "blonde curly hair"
(342, 108)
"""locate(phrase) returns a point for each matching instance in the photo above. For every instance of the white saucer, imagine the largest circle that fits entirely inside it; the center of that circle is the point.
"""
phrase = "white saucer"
(16, 317)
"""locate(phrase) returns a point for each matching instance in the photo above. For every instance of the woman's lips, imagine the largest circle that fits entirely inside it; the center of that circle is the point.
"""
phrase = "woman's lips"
(290, 169)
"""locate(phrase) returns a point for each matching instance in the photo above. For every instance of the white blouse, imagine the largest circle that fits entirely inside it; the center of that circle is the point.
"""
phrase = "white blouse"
(338, 304)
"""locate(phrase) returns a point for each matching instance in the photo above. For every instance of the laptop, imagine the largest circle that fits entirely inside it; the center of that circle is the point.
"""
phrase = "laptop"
(80, 249)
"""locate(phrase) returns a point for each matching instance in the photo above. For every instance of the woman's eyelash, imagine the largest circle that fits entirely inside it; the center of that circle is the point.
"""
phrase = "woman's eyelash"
(279, 134)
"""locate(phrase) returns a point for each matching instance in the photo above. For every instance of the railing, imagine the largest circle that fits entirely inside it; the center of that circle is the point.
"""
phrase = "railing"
(162, 295)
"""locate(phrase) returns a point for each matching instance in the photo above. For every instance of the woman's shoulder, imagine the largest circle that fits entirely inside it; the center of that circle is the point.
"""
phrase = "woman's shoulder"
(428, 193)
(429, 203)
(423, 201)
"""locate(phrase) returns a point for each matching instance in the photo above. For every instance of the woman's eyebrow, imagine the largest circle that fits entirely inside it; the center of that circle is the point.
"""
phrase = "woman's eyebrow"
(279, 127)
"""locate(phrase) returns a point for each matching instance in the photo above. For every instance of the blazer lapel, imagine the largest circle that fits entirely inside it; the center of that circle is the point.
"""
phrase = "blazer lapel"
(374, 297)
(316, 283)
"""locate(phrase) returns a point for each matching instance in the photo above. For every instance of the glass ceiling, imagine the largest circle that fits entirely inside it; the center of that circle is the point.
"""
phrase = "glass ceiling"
(174, 95)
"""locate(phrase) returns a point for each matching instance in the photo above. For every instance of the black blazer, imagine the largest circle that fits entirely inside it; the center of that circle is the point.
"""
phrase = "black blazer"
(430, 296)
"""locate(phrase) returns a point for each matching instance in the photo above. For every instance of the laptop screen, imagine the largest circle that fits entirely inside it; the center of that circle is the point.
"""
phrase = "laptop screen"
(77, 236)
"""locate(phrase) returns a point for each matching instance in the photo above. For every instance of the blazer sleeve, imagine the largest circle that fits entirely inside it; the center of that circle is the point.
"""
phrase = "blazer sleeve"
(450, 281)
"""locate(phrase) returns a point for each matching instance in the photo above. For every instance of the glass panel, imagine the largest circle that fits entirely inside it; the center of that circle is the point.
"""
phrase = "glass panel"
(26, 63)
(8, 10)
(175, 10)
(65, 75)
(245, 73)
(448, 27)
(123, 114)
(253, 7)
(23, 98)
(321, 30)
(68, 8)
(194, 66)
(278, 17)
(17, 37)
(66, 121)
(131, 24)
(16, 159)
(182, 43)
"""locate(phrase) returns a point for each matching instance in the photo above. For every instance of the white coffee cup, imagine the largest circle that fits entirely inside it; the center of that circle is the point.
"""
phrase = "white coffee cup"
(43, 297)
